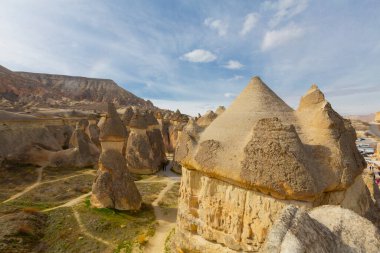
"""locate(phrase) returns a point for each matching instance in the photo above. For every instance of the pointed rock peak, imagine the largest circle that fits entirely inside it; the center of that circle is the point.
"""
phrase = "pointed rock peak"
(111, 110)
(257, 96)
(113, 128)
(314, 86)
(312, 97)
(127, 116)
(150, 119)
(220, 110)
(138, 121)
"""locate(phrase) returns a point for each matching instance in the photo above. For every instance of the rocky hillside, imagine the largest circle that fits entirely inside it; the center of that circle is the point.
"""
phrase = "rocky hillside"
(34, 89)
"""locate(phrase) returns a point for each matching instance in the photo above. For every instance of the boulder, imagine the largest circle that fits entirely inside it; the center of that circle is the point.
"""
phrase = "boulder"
(340, 231)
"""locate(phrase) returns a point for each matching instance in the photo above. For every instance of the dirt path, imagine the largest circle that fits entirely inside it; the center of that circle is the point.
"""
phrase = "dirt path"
(166, 220)
(70, 203)
(38, 182)
(29, 188)
(84, 231)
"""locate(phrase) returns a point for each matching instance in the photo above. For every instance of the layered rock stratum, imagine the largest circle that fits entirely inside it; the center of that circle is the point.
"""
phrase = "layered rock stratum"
(24, 89)
(257, 158)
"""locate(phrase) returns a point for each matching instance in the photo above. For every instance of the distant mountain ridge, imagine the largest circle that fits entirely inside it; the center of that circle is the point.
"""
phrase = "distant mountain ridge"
(64, 91)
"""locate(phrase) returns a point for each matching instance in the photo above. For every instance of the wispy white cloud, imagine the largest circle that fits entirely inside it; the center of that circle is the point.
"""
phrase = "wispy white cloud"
(250, 22)
(231, 64)
(279, 37)
(199, 55)
(229, 95)
(285, 9)
(236, 78)
(217, 24)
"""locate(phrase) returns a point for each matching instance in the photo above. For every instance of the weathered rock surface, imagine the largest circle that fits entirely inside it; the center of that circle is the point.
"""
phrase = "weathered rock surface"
(257, 158)
(377, 117)
(224, 214)
(322, 229)
(316, 144)
(205, 120)
(27, 89)
(113, 186)
(171, 126)
(145, 151)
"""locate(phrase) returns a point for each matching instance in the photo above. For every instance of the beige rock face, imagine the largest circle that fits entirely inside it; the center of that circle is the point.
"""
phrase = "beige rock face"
(377, 117)
(145, 150)
(113, 186)
(315, 143)
(228, 215)
(206, 119)
(323, 229)
(171, 126)
(255, 160)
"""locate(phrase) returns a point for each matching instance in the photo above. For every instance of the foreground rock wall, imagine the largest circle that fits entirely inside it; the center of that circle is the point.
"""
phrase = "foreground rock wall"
(213, 213)
(225, 214)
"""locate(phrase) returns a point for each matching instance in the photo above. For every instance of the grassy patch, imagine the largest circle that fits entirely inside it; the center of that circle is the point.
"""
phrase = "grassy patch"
(169, 241)
(127, 229)
(170, 200)
(51, 173)
(16, 179)
(57, 193)
(62, 234)
(150, 191)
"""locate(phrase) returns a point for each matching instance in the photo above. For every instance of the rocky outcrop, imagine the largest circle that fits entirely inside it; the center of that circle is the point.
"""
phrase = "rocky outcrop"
(113, 186)
(257, 158)
(340, 231)
(144, 152)
(314, 141)
(171, 125)
(377, 117)
(36, 141)
(34, 89)
(205, 120)
(220, 110)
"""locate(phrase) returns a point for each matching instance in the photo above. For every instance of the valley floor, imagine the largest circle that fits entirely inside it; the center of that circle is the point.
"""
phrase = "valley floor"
(48, 210)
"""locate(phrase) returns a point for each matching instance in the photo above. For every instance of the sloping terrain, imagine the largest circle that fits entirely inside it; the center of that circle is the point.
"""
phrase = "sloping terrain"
(35, 89)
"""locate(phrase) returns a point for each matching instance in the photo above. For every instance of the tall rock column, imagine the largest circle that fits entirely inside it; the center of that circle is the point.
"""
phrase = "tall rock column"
(113, 186)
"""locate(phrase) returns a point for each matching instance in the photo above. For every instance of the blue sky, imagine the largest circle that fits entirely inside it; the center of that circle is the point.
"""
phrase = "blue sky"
(196, 55)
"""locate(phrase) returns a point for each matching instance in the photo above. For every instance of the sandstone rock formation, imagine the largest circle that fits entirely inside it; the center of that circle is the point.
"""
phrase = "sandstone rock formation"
(113, 186)
(257, 158)
(144, 151)
(206, 119)
(322, 229)
(171, 127)
(377, 117)
(18, 131)
(220, 110)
